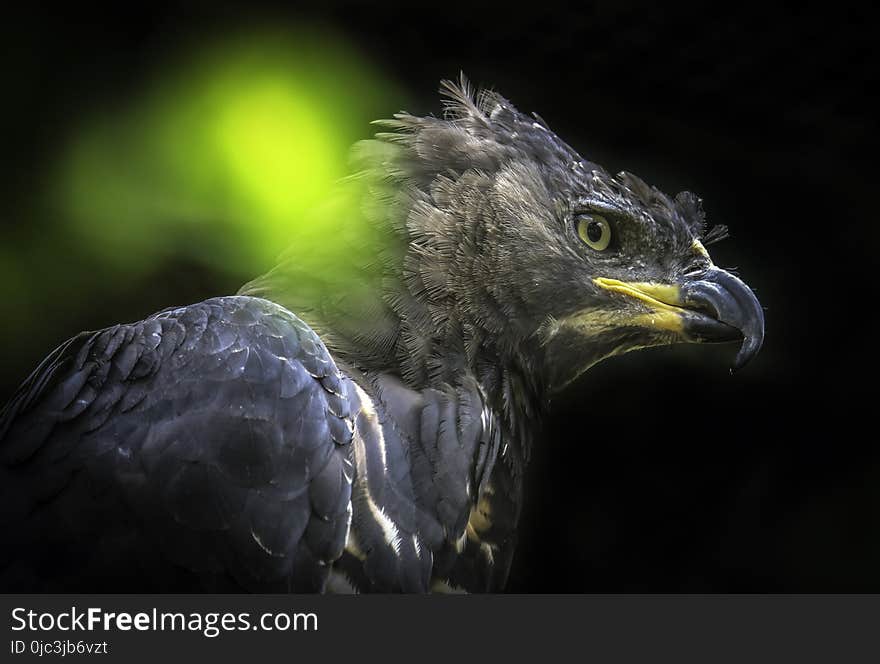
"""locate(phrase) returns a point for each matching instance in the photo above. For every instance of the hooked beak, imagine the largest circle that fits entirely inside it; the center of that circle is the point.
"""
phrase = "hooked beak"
(728, 303)
(712, 306)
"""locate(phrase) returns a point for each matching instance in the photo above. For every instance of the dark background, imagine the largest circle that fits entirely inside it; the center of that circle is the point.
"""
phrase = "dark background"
(660, 471)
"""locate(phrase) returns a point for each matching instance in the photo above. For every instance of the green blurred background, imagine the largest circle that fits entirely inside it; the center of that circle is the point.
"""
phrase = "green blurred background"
(199, 173)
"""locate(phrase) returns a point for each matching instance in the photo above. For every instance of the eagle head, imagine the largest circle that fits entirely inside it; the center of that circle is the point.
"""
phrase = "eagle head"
(505, 248)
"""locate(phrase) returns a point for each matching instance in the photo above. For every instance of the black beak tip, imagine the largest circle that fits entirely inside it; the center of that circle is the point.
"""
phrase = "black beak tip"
(750, 347)
(733, 307)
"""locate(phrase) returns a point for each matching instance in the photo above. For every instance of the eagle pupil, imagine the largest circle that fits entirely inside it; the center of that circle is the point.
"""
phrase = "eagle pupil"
(594, 231)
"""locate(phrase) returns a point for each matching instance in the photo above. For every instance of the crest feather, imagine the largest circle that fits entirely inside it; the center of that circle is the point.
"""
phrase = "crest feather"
(461, 101)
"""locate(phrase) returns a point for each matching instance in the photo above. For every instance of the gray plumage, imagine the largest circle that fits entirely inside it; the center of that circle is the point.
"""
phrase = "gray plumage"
(381, 446)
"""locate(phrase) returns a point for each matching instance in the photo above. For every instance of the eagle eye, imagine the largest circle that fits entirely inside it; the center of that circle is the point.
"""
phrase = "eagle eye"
(594, 230)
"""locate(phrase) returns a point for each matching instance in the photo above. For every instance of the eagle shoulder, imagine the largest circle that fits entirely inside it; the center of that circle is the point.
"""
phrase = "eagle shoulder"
(206, 447)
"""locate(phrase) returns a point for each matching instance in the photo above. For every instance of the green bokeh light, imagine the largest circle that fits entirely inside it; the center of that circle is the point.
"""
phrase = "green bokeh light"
(186, 183)
(222, 157)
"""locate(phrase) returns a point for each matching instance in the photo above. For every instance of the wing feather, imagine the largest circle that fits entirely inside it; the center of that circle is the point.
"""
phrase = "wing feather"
(204, 447)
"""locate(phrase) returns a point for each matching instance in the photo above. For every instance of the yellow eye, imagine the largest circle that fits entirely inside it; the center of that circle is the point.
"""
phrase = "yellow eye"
(595, 231)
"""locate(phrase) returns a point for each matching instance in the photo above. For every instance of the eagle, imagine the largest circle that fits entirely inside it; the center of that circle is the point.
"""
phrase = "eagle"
(361, 427)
